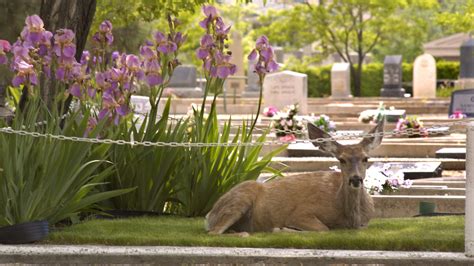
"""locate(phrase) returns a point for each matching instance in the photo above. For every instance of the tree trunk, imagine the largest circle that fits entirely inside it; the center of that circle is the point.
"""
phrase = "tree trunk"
(76, 15)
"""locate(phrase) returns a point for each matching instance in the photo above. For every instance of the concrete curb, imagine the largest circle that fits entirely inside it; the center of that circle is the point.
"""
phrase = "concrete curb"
(167, 255)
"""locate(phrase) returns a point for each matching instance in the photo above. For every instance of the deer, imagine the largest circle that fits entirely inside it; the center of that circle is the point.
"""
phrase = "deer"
(319, 201)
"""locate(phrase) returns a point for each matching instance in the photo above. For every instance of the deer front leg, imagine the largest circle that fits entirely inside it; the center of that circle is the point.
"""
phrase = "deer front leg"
(306, 223)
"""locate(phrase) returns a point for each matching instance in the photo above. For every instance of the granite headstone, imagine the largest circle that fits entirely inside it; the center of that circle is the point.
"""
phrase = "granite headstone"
(183, 83)
(466, 71)
(392, 77)
(462, 101)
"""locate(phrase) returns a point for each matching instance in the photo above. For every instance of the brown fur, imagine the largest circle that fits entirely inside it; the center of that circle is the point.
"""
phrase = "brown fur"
(311, 202)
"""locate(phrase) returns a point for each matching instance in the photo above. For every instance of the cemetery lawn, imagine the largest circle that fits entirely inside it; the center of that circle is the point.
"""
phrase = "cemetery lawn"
(417, 234)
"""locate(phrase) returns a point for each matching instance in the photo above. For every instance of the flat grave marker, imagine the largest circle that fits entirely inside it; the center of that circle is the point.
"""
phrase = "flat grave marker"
(454, 153)
(412, 170)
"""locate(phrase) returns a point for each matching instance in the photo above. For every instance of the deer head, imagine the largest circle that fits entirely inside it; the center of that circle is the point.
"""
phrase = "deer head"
(353, 158)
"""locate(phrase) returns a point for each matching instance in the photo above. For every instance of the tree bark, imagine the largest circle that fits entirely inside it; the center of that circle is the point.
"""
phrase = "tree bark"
(76, 15)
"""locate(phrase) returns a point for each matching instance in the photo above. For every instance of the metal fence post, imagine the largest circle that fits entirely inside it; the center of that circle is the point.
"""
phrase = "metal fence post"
(469, 218)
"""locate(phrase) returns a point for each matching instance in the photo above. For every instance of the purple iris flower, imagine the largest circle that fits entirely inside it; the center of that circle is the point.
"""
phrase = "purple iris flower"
(64, 43)
(264, 52)
(25, 73)
(75, 90)
(105, 26)
(85, 57)
(105, 33)
(33, 30)
(5, 47)
(211, 13)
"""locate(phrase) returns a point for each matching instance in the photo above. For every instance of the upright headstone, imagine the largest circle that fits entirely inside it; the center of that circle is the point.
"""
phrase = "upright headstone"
(424, 77)
(392, 77)
(253, 88)
(466, 73)
(341, 80)
(462, 101)
(183, 83)
(235, 84)
(285, 88)
(279, 54)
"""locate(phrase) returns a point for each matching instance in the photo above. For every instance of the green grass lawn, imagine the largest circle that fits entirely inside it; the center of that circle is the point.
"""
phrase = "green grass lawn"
(423, 234)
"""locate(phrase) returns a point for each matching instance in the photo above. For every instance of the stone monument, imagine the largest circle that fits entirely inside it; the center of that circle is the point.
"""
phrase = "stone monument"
(392, 77)
(341, 80)
(253, 88)
(424, 77)
(466, 74)
(285, 88)
(183, 83)
(235, 84)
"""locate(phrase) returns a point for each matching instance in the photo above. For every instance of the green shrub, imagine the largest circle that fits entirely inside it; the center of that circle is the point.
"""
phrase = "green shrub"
(148, 169)
(49, 179)
(319, 78)
(447, 70)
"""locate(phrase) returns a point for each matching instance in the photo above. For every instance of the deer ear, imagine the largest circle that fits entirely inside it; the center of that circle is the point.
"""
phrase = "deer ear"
(315, 132)
(370, 143)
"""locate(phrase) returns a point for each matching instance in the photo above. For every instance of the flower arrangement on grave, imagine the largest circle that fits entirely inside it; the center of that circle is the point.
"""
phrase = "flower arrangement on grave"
(286, 124)
(324, 123)
(385, 180)
(270, 111)
(458, 115)
(412, 126)
(369, 116)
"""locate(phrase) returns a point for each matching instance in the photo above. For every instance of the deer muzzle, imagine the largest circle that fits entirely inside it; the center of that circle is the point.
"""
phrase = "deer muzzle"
(355, 181)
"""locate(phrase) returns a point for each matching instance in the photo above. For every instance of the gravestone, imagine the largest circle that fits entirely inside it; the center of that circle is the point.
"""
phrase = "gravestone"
(341, 80)
(454, 153)
(411, 170)
(392, 77)
(466, 71)
(253, 88)
(235, 84)
(462, 101)
(5, 112)
(141, 105)
(279, 54)
(183, 83)
(285, 88)
(424, 77)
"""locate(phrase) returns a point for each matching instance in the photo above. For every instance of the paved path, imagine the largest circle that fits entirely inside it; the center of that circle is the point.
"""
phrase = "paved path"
(166, 255)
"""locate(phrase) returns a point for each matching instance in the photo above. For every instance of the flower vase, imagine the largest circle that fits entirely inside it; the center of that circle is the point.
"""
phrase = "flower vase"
(24, 233)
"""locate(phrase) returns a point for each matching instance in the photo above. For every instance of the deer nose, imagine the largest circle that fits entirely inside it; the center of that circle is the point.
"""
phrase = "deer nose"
(355, 181)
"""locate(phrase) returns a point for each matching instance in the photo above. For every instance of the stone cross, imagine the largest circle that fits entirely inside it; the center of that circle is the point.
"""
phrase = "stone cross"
(341, 80)
(285, 88)
(392, 77)
(424, 77)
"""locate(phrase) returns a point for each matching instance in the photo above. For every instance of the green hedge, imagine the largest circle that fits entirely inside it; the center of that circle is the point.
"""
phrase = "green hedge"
(319, 78)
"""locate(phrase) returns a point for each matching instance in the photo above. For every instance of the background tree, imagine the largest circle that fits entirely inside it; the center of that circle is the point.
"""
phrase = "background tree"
(456, 16)
(347, 26)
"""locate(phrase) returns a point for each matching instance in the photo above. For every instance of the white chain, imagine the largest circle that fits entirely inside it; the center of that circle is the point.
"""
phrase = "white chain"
(408, 132)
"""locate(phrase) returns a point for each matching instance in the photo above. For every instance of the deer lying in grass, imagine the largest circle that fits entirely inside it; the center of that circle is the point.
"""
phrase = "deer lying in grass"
(312, 202)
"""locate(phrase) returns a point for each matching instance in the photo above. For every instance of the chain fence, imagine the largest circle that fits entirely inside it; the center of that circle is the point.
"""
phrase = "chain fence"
(431, 131)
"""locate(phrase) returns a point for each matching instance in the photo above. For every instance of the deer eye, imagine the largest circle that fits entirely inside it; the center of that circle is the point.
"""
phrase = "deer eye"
(342, 161)
(366, 159)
